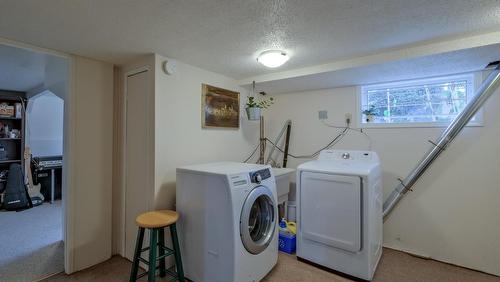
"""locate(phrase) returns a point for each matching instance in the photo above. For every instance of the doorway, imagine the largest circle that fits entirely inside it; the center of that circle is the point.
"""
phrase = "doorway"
(33, 89)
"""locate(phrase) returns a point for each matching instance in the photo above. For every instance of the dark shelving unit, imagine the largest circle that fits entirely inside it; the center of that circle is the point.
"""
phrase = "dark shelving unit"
(14, 147)
(9, 161)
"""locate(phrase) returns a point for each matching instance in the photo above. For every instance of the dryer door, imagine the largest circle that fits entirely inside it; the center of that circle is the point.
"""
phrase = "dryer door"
(258, 220)
(330, 210)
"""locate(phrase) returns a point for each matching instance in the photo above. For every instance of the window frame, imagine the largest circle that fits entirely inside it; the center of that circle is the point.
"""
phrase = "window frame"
(476, 82)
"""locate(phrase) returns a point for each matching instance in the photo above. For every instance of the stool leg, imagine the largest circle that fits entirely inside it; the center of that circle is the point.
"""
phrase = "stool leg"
(153, 243)
(161, 251)
(137, 253)
(177, 250)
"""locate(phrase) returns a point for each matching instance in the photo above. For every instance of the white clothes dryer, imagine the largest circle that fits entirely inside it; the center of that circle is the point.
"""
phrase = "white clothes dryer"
(340, 212)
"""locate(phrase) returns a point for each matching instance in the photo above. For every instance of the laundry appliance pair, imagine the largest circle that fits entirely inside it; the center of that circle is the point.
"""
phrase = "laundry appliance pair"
(229, 217)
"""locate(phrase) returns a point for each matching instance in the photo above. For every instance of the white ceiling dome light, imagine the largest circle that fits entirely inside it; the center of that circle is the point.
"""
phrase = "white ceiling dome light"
(273, 58)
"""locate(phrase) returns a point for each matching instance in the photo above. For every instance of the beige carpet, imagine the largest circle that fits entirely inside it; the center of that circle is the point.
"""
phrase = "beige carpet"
(394, 266)
(31, 243)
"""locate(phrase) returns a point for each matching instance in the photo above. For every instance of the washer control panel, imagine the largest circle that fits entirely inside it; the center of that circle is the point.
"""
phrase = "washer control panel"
(258, 176)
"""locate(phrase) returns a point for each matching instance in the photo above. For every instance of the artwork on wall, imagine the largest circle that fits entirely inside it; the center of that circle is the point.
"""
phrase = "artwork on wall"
(219, 107)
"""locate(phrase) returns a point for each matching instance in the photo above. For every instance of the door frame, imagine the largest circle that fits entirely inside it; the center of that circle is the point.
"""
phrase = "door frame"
(69, 140)
(148, 143)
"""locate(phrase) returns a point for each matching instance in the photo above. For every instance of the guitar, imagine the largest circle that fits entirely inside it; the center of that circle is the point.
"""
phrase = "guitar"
(33, 190)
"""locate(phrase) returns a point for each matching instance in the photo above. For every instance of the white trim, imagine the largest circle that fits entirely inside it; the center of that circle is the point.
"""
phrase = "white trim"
(68, 143)
(476, 80)
(419, 81)
(32, 48)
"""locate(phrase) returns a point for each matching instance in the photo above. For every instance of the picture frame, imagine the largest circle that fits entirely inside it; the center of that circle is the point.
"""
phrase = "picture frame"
(220, 108)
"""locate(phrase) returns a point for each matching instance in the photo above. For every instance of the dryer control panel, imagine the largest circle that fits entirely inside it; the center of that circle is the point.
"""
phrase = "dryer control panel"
(353, 155)
(258, 176)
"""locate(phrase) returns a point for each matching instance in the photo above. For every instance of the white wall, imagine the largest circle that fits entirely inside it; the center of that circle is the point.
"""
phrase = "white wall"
(55, 77)
(180, 139)
(452, 213)
(45, 116)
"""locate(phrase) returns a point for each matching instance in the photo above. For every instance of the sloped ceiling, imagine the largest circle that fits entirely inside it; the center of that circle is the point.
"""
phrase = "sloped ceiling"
(25, 70)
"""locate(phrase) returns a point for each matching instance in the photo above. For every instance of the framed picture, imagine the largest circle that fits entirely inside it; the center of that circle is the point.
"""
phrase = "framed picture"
(219, 107)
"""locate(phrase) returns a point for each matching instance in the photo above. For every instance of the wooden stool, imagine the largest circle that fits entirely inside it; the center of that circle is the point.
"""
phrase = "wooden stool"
(156, 221)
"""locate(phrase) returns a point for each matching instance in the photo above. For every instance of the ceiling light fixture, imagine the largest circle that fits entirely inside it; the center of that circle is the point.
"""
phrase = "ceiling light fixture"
(273, 58)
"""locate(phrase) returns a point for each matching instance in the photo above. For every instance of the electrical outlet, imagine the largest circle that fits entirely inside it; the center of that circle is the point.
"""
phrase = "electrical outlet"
(323, 114)
(348, 118)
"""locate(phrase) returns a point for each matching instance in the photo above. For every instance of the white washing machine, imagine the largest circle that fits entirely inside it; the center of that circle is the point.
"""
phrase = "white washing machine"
(228, 221)
(340, 212)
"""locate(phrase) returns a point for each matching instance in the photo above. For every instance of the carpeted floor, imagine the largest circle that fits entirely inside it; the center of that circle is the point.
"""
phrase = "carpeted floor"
(31, 244)
(394, 266)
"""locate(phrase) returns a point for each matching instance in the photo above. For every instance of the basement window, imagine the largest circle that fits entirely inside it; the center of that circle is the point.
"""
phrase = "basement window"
(432, 102)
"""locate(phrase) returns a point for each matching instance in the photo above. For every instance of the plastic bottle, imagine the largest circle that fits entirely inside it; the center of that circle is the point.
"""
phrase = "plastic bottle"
(292, 227)
(283, 225)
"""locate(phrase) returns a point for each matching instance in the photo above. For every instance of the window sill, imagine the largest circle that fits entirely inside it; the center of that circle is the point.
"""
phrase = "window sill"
(414, 125)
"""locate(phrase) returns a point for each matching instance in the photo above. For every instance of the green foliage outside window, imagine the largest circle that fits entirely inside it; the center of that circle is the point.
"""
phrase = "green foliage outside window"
(434, 102)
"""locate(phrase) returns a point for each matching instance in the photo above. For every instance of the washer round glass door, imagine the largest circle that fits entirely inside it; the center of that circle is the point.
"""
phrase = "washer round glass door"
(258, 220)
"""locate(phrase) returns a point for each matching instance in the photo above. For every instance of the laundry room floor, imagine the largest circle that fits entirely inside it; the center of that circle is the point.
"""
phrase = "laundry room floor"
(394, 266)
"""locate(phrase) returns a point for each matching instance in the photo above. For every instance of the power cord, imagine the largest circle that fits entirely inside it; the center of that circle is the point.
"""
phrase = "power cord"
(251, 155)
(337, 139)
(358, 130)
(315, 154)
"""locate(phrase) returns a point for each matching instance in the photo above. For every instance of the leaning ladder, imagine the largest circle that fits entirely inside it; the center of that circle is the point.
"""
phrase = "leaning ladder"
(483, 93)
(286, 128)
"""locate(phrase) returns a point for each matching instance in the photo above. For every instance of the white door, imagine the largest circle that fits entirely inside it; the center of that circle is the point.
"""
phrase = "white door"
(330, 210)
(136, 152)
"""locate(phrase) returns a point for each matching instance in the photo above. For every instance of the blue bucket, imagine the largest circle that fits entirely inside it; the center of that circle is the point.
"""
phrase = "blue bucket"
(287, 242)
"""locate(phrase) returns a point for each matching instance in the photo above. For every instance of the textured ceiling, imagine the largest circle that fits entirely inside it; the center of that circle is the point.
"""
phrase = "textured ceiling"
(225, 35)
(462, 61)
